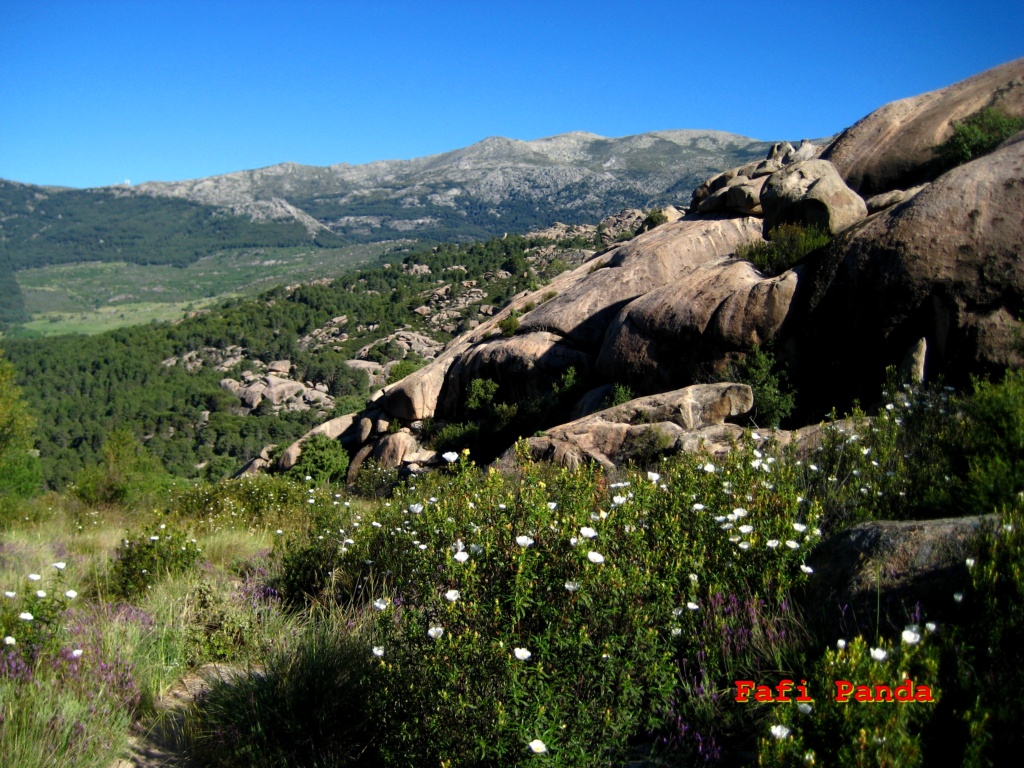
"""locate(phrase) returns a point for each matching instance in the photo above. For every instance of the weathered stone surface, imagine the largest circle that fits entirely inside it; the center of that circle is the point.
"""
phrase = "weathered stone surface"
(741, 194)
(664, 255)
(253, 394)
(892, 148)
(416, 396)
(810, 192)
(894, 568)
(623, 222)
(280, 366)
(687, 330)
(945, 266)
(231, 385)
(888, 199)
(591, 401)
(278, 390)
(642, 427)
(391, 449)
(524, 366)
(336, 429)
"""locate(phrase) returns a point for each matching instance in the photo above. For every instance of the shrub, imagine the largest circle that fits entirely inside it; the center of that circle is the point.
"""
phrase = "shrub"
(773, 399)
(621, 393)
(322, 459)
(976, 135)
(787, 245)
(69, 697)
(653, 219)
(144, 558)
(560, 604)
(128, 475)
(305, 707)
(375, 481)
(254, 500)
(857, 732)
(510, 324)
(993, 444)
(455, 437)
(403, 368)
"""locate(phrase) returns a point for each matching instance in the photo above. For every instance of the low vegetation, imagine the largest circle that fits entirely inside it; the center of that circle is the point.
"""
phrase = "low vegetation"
(976, 135)
(785, 247)
(475, 618)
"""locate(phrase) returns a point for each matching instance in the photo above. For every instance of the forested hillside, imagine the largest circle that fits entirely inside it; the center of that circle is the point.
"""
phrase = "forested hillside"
(81, 389)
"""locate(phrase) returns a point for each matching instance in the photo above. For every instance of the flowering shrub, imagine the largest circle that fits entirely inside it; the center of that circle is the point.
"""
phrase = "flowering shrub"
(144, 557)
(843, 726)
(66, 698)
(258, 499)
(554, 608)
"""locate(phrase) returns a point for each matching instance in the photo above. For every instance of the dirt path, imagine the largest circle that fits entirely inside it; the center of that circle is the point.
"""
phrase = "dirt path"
(158, 747)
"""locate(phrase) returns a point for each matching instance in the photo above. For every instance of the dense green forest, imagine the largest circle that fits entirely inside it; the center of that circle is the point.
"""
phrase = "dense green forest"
(82, 388)
(64, 226)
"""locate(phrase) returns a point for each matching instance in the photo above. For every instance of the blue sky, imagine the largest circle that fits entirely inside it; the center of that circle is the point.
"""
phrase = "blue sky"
(93, 92)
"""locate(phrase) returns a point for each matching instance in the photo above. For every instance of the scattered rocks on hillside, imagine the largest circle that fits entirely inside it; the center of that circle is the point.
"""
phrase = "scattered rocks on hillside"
(623, 223)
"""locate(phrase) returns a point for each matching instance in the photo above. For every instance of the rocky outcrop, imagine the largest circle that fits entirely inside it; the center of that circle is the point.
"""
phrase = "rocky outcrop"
(944, 266)
(893, 147)
(932, 279)
(811, 193)
(892, 569)
(582, 313)
(693, 327)
(645, 426)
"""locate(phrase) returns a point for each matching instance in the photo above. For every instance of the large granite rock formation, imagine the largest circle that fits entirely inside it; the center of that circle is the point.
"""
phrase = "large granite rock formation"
(892, 148)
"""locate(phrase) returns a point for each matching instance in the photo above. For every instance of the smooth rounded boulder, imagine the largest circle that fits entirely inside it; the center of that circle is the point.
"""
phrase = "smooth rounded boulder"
(811, 193)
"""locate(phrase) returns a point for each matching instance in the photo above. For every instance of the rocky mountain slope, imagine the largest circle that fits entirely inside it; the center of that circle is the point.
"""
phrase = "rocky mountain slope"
(929, 278)
(492, 186)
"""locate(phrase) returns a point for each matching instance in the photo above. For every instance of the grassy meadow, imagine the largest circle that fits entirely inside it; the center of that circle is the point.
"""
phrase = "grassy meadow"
(93, 297)
(545, 616)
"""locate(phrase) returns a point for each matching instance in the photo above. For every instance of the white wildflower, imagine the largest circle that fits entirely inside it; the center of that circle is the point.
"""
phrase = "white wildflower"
(522, 654)
(595, 557)
(436, 632)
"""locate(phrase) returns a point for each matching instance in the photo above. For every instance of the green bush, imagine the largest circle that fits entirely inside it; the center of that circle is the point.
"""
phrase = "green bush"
(593, 582)
(307, 706)
(831, 732)
(20, 469)
(993, 444)
(323, 460)
(127, 475)
(976, 135)
(787, 245)
(773, 399)
(253, 500)
(403, 368)
(143, 558)
(621, 393)
(375, 481)
(510, 324)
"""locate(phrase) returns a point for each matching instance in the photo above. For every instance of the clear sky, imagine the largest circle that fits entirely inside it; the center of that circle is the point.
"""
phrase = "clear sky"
(93, 92)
